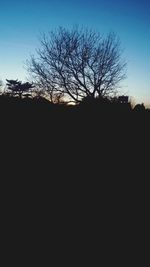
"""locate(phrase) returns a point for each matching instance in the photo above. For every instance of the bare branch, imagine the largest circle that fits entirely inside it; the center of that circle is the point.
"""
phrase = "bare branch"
(78, 63)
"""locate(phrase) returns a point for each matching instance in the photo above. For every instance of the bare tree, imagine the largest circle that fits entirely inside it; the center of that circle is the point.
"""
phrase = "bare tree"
(78, 63)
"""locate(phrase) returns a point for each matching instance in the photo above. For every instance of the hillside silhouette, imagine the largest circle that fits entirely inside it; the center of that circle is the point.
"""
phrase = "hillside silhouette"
(70, 170)
(92, 117)
(96, 144)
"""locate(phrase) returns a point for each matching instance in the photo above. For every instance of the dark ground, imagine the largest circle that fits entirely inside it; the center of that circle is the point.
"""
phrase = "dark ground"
(75, 178)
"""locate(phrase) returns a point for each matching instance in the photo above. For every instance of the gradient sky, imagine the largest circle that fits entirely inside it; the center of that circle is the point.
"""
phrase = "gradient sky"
(22, 22)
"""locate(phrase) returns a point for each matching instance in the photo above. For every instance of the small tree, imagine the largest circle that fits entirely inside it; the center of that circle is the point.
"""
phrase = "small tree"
(78, 63)
(1, 84)
(18, 88)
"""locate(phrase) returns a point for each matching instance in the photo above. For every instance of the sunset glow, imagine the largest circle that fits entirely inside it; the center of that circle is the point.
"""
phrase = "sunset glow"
(22, 22)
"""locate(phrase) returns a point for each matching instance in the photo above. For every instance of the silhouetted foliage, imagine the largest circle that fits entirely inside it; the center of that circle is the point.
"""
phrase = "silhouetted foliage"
(1, 86)
(139, 107)
(19, 88)
(77, 64)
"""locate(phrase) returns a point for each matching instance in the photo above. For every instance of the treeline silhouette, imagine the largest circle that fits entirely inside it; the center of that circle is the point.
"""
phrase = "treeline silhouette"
(91, 117)
(105, 105)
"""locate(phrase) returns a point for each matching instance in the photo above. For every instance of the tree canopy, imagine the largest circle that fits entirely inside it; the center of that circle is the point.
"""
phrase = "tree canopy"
(18, 88)
(78, 63)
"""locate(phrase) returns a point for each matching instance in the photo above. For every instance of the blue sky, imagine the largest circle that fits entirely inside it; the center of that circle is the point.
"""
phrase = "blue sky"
(22, 22)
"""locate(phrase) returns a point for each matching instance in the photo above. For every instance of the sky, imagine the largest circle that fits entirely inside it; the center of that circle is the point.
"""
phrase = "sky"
(22, 23)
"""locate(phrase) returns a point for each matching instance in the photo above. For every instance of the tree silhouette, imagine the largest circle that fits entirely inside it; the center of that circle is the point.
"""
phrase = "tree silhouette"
(78, 63)
(19, 88)
(1, 84)
(139, 107)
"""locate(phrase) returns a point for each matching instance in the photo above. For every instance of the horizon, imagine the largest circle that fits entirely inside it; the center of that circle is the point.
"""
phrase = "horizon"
(22, 24)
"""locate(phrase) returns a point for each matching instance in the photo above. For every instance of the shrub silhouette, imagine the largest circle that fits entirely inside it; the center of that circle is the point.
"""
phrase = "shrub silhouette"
(139, 108)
